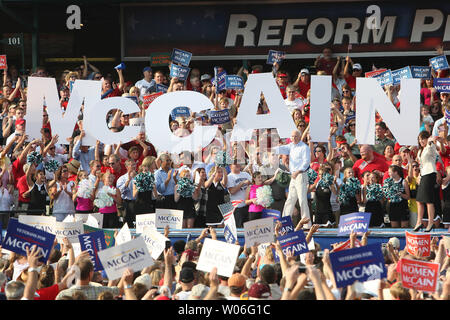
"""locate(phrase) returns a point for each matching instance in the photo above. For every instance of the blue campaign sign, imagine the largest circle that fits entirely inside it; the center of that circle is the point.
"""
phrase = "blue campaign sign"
(182, 57)
(286, 225)
(403, 73)
(20, 236)
(234, 82)
(442, 84)
(294, 242)
(275, 56)
(271, 213)
(358, 264)
(219, 116)
(228, 235)
(180, 112)
(419, 72)
(161, 88)
(439, 63)
(179, 72)
(384, 78)
(356, 221)
(93, 243)
(220, 80)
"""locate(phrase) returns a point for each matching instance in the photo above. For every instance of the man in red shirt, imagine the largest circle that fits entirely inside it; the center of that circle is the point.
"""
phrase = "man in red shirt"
(117, 168)
(325, 63)
(303, 82)
(350, 76)
(283, 82)
(369, 161)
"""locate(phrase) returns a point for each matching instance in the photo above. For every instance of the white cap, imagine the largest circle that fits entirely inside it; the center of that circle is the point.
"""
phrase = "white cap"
(304, 71)
(144, 279)
(395, 242)
(357, 66)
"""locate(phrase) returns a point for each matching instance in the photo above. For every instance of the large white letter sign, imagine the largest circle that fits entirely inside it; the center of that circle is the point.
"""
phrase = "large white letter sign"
(157, 122)
(62, 123)
(94, 121)
(320, 108)
(370, 97)
(247, 119)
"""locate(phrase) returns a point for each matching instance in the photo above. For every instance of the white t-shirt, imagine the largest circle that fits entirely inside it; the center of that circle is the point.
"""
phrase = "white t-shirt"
(143, 85)
(183, 295)
(296, 104)
(64, 203)
(234, 180)
(5, 200)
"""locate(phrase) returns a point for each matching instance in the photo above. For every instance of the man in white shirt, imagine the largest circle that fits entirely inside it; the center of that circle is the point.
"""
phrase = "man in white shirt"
(125, 185)
(299, 160)
(238, 182)
(292, 102)
(146, 83)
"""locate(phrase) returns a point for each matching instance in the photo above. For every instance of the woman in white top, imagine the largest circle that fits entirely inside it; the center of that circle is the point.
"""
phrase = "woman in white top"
(62, 194)
(425, 196)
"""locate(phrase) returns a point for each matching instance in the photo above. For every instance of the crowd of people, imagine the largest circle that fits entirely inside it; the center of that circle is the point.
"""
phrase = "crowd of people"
(315, 183)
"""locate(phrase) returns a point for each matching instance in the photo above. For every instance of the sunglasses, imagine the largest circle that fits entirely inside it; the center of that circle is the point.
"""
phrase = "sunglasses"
(98, 77)
(351, 125)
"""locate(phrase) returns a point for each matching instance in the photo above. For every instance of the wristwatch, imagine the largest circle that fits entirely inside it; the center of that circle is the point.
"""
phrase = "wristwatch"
(287, 289)
(128, 286)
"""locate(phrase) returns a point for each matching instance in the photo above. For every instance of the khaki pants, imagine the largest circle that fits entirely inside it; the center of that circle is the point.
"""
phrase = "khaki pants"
(298, 190)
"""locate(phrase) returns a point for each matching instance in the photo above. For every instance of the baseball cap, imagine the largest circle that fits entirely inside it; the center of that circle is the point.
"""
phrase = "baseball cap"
(357, 66)
(198, 292)
(304, 71)
(147, 69)
(236, 280)
(187, 275)
(205, 77)
(395, 242)
(144, 279)
(162, 298)
(259, 291)
(20, 121)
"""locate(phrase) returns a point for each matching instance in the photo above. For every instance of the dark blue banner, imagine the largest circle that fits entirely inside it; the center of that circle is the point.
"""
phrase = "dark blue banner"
(384, 78)
(293, 242)
(286, 225)
(403, 73)
(442, 84)
(234, 82)
(271, 213)
(219, 116)
(275, 56)
(161, 88)
(179, 72)
(357, 222)
(92, 243)
(182, 57)
(228, 235)
(419, 72)
(439, 63)
(180, 112)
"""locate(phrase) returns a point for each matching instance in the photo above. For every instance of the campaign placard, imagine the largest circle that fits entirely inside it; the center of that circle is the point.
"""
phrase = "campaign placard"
(20, 236)
(154, 240)
(44, 223)
(419, 275)
(124, 235)
(419, 72)
(275, 56)
(109, 234)
(145, 220)
(403, 73)
(132, 254)
(384, 78)
(3, 63)
(439, 63)
(219, 116)
(220, 81)
(93, 243)
(418, 244)
(346, 245)
(87, 218)
(179, 72)
(180, 112)
(148, 99)
(234, 82)
(218, 254)
(446, 245)
(169, 217)
(258, 231)
(286, 225)
(160, 59)
(182, 57)
(374, 73)
(358, 264)
(71, 230)
(230, 227)
(356, 221)
(161, 88)
(294, 243)
(228, 235)
(442, 84)
(270, 213)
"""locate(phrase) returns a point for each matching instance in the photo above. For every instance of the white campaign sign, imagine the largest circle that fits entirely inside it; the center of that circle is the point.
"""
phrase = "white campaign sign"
(40, 222)
(404, 125)
(169, 217)
(71, 230)
(155, 241)
(247, 119)
(320, 115)
(94, 220)
(124, 235)
(158, 130)
(218, 254)
(258, 231)
(132, 254)
(144, 220)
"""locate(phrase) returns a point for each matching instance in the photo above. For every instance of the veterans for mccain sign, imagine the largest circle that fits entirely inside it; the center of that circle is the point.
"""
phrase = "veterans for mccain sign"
(93, 243)
(357, 222)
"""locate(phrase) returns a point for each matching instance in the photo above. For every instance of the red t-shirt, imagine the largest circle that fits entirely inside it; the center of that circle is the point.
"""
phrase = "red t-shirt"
(351, 80)
(48, 293)
(446, 156)
(116, 174)
(361, 166)
(304, 88)
(326, 65)
(17, 170)
(22, 187)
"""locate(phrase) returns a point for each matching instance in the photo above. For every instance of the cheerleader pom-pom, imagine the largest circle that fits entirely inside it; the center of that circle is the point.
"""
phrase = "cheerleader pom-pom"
(344, 195)
(312, 176)
(264, 196)
(222, 159)
(144, 181)
(326, 180)
(34, 157)
(51, 165)
(185, 187)
(103, 198)
(374, 192)
(391, 190)
(353, 185)
(85, 189)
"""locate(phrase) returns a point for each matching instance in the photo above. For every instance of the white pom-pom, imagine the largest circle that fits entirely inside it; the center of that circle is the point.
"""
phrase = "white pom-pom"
(264, 196)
